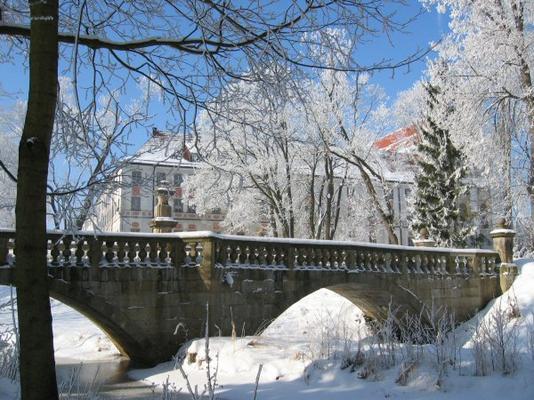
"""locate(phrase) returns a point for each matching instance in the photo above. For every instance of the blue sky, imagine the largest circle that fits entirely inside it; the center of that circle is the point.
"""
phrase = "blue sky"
(427, 27)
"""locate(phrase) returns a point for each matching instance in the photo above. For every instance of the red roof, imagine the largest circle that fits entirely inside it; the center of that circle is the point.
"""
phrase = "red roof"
(401, 138)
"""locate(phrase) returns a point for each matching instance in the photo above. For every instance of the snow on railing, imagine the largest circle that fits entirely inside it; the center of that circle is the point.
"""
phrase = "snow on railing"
(195, 249)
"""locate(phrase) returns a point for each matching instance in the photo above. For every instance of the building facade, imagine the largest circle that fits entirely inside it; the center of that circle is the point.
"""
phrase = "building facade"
(164, 160)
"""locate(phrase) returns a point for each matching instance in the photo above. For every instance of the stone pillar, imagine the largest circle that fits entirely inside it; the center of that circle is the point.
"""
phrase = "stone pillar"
(424, 240)
(503, 243)
(163, 221)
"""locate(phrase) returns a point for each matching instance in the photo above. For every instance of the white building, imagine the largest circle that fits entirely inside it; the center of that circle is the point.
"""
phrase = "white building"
(129, 206)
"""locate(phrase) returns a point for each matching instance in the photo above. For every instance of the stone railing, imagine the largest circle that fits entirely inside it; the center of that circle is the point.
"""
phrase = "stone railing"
(109, 249)
(314, 255)
(207, 249)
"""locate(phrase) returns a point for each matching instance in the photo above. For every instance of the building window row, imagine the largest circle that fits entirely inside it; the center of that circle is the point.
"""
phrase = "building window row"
(137, 178)
(178, 179)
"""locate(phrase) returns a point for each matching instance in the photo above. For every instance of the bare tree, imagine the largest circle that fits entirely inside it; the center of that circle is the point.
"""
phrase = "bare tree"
(486, 71)
(346, 113)
(89, 148)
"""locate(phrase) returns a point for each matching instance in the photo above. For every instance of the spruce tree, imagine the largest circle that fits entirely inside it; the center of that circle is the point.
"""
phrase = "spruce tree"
(439, 181)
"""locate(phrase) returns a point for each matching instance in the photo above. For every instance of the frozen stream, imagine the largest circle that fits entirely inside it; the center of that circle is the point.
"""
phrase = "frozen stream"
(82, 348)
(109, 377)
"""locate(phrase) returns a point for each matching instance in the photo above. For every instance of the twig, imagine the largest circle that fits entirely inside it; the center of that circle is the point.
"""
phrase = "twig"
(257, 380)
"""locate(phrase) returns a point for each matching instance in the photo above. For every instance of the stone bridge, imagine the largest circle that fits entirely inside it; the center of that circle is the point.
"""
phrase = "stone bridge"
(149, 292)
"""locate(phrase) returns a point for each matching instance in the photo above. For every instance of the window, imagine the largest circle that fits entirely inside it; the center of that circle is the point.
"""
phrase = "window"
(216, 211)
(178, 206)
(136, 203)
(191, 209)
(137, 177)
(135, 230)
(178, 179)
(160, 177)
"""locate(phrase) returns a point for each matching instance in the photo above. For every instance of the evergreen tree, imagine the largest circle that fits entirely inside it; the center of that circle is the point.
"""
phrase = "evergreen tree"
(439, 181)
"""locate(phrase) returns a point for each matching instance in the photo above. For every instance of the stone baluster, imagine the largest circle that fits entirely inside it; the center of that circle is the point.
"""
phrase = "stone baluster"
(63, 257)
(361, 261)
(199, 250)
(137, 257)
(126, 256)
(168, 254)
(115, 254)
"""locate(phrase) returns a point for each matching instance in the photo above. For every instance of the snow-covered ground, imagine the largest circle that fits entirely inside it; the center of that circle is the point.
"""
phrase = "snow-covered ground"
(76, 339)
(302, 352)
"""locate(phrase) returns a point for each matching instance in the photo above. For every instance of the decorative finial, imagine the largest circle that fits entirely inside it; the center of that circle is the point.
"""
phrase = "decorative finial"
(423, 233)
(501, 223)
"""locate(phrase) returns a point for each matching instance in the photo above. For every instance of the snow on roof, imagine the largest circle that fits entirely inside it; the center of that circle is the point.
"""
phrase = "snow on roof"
(403, 139)
(166, 148)
(404, 176)
(170, 149)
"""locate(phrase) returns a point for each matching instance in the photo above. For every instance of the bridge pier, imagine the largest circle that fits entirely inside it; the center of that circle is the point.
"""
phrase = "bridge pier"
(503, 243)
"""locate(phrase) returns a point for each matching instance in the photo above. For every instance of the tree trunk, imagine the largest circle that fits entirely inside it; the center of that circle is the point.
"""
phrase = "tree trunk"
(329, 175)
(530, 188)
(505, 134)
(37, 366)
(385, 217)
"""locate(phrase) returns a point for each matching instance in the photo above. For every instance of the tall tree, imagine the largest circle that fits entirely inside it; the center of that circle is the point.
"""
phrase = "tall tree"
(37, 366)
(346, 112)
(265, 168)
(489, 79)
(438, 181)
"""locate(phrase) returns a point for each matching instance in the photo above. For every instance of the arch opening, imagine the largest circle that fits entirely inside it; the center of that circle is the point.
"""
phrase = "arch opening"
(324, 312)
(76, 335)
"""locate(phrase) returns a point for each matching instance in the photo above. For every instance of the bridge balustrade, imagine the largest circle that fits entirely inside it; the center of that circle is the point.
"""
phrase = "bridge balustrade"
(195, 249)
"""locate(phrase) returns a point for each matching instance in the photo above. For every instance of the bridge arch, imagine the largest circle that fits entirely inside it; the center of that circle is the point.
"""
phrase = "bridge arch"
(107, 317)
